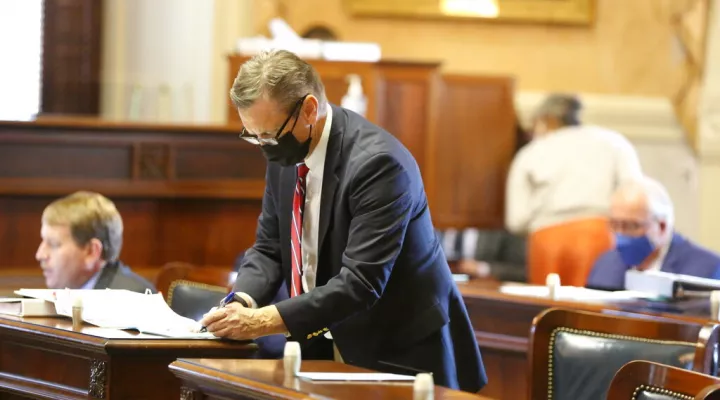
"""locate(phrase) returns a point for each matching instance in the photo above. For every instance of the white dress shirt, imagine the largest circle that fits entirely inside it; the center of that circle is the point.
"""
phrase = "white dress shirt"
(90, 284)
(656, 264)
(311, 214)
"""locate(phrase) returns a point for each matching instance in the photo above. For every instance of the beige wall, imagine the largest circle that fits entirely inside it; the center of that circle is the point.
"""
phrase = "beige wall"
(709, 138)
(625, 67)
(628, 51)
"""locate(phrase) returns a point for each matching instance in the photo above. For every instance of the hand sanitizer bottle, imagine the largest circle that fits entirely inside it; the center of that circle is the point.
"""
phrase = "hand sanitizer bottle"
(354, 99)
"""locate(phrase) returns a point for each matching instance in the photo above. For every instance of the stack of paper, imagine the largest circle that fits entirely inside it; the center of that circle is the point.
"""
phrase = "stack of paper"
(573, 293)
(122, 309)
(27, 307)
(354, 376)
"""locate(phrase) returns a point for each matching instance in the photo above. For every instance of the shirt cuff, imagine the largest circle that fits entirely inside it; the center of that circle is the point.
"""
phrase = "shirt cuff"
(247, 298)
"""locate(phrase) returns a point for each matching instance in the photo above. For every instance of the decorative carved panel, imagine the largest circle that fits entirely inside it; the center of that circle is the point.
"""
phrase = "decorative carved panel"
(98, 379)
(154, 160)
(188, 394)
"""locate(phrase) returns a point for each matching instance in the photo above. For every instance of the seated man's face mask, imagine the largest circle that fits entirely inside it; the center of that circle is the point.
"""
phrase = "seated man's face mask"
(636, 249)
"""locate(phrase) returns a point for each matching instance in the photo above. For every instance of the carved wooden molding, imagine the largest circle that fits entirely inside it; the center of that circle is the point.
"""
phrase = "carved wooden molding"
(154, 160)
(98, 379)
(188, 394)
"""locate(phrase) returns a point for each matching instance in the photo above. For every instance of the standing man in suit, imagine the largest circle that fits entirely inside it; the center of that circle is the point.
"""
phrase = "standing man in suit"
(641, 215)
(345, 222)
(81, 241)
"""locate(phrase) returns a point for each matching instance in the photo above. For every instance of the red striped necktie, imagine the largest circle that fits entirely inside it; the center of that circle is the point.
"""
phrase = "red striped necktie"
(296, 231)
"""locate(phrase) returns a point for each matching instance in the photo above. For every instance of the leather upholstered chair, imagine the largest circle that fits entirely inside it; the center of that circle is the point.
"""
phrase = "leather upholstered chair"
(645, 380)
(575, 354)
(191, 291)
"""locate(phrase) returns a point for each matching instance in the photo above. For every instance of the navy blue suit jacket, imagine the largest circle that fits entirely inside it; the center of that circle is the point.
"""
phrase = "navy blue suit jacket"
(683, 257)
(384, 288)
(116, 275)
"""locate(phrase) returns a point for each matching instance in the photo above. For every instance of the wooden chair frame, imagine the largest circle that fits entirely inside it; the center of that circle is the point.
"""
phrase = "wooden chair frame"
(662, 330)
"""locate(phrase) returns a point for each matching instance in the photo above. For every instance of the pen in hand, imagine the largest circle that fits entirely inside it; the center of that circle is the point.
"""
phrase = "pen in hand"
(222, 304)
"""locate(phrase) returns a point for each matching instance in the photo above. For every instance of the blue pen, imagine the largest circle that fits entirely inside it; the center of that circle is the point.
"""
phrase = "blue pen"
(223, 303)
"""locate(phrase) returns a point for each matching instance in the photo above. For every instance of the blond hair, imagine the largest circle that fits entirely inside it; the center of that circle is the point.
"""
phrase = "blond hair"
(278, 75)
(89, 216)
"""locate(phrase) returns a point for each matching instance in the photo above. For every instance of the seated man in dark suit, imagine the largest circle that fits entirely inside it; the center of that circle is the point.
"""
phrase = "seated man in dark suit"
(81, 242)
(480, 253)
(641, 215)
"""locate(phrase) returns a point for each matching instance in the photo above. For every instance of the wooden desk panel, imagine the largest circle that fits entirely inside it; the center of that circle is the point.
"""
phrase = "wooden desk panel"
(262, 379)
(43, 358)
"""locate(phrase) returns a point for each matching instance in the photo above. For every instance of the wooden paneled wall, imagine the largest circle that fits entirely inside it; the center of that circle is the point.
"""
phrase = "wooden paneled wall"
(72, 38)
(185, 193)
(471, 151)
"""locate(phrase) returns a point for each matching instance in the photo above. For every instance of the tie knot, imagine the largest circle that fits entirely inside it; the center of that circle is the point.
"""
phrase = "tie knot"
(302, 171)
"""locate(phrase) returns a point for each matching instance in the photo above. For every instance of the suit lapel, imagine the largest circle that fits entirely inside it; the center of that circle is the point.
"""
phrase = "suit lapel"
(330, 175)
(106, 276)
(288, 178)
(671, 263)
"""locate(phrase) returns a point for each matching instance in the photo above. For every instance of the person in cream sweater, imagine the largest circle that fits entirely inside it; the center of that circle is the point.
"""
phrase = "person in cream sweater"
(559, 189)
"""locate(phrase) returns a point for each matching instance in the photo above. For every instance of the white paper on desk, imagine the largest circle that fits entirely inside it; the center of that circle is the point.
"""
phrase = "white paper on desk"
(124, 309)
(574, 293)
(354, 376)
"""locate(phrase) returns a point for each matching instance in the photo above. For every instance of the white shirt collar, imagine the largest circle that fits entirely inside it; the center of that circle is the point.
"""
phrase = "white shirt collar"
(316, 160)
(657, 263)
(90, 284)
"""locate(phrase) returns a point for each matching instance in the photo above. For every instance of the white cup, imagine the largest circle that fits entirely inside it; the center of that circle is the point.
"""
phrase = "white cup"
(424, 387)
(552, 281)
(292, 358)
(715, 305)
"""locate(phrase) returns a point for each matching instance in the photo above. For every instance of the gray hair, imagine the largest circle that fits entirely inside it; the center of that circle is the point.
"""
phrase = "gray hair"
(660, 204)
(563, 107)
(278, 75)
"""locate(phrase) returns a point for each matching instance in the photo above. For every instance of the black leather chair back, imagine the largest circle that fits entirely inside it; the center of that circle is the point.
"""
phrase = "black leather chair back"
(583, 363)
(193, 299)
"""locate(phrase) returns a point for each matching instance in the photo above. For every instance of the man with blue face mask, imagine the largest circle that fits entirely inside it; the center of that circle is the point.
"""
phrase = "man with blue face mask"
(641, 217)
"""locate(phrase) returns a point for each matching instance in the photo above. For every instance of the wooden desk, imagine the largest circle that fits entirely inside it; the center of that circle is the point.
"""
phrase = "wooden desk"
(252, 379)
(42, 358)
(502, 327)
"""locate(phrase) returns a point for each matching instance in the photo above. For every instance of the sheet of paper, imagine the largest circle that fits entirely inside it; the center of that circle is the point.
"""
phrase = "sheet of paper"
(179, 334)
(574, 293)
(354, 376)
(44, 294)
(123, 309)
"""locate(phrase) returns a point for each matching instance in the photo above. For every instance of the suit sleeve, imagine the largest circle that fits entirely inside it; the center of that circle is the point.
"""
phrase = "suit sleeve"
(260, 273)
(381, 194)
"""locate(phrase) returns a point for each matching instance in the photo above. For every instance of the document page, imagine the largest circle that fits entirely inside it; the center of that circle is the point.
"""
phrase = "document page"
(354, 376)
(574, 293)
(124, 309)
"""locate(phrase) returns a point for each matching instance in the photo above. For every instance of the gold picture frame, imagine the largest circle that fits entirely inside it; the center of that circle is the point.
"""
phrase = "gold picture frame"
(565, 12)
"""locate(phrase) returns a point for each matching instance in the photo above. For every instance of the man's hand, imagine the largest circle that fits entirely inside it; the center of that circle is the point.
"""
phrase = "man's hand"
(239, 323)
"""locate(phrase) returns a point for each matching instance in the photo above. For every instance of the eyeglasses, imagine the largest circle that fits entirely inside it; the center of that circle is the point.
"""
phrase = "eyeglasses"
(272, 141)
(628, 226)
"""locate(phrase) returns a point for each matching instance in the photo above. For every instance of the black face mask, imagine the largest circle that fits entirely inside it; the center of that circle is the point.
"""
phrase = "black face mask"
(288, 150)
